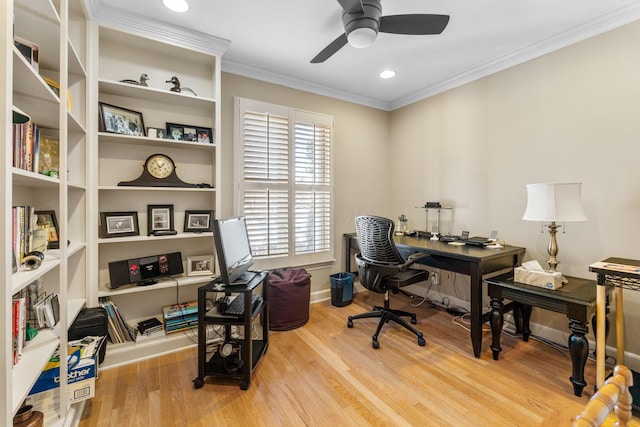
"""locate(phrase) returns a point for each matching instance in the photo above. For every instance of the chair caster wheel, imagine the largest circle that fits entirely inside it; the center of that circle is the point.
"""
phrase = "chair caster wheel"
(421, 342)
(349, 322)
(375, 344)
(198, 383)
(414, 319)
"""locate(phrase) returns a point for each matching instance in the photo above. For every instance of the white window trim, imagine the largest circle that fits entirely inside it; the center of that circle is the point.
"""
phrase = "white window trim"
(290, 260)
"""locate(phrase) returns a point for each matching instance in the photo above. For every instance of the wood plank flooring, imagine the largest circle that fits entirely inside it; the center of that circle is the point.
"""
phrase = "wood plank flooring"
(325, 374)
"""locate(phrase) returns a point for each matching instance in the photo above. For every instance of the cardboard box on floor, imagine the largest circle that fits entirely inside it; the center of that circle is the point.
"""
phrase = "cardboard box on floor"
(81, 380)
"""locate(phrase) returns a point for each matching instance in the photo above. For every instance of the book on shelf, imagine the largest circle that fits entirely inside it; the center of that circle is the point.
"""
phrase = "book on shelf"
(23, 223)
(118, 329)
(180, 310)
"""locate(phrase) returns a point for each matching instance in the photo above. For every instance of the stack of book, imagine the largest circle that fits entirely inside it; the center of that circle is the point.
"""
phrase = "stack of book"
(181, 316)
(149, 326)
(118, 329)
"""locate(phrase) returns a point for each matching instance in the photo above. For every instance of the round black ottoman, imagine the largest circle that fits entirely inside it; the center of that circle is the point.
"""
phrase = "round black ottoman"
(289, 298)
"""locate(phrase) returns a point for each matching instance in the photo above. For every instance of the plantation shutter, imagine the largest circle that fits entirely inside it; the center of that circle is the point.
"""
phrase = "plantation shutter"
(284, 180)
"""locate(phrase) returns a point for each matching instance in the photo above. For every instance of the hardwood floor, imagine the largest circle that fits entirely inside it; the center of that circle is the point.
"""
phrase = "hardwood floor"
(325, 374)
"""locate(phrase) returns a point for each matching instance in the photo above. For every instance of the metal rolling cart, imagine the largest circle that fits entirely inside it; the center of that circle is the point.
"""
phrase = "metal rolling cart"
(622, 274)
(236, 357)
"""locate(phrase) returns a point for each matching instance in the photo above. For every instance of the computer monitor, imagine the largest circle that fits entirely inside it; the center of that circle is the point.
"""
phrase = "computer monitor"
(233, 250)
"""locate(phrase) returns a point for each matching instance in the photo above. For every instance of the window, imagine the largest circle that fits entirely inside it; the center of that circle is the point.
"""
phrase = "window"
(284, 177)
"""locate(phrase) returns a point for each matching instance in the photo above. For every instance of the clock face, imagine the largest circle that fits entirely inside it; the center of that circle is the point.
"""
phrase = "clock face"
(160, 166)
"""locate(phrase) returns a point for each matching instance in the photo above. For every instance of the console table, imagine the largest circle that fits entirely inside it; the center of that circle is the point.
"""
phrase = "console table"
(576, 299)
(475, 261)
(618, 273)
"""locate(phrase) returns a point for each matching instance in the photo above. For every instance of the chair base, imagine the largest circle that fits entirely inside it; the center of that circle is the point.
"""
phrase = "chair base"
(386, 314)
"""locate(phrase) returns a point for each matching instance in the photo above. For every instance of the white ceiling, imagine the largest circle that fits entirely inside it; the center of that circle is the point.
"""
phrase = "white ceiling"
(274, 40)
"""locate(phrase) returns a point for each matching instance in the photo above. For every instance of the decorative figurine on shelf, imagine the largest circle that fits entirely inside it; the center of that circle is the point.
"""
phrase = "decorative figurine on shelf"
(176, 86)
(142, 82)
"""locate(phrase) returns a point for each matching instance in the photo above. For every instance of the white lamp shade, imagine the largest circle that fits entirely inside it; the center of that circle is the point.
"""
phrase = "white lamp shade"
(554, 202)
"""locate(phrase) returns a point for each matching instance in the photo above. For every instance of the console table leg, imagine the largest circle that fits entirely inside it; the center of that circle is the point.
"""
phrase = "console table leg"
(578, 348)
(497, 321)
(525, 312)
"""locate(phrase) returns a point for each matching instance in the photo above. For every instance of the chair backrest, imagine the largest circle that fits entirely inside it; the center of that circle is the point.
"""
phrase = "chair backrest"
(378, 257)
(375, 239)
(614, 396)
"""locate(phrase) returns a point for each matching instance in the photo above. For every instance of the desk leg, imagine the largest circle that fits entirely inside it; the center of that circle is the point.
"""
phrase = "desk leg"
(601, 296)
(476, 309)
(497, 322)
(578, 348)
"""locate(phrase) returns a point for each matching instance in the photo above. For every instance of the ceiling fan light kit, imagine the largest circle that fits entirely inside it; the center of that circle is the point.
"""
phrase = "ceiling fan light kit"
(363, 20)
(362, 28)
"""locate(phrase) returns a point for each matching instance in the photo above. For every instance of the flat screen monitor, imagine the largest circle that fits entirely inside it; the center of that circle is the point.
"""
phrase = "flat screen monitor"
(233, 250)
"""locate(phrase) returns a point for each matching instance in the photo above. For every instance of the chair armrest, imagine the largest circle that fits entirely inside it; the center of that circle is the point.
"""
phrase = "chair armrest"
(413, 258)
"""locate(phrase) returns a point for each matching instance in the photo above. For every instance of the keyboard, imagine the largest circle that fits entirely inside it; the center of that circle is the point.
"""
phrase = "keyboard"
(236, 308)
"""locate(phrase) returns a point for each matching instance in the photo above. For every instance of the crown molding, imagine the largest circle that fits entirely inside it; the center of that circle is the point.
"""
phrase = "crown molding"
(156, 30)
(194, 40)
(574, 35)
(304, 85)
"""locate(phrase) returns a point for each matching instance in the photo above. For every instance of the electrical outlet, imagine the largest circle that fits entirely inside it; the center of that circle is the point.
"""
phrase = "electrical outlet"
(448, 275)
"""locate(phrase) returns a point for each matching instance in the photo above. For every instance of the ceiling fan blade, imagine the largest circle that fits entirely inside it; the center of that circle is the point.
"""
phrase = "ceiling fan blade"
(328, 51)
(352, 6)
(416, 24)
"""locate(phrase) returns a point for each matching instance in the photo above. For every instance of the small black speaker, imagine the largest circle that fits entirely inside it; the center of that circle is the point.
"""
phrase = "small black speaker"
(144, 270)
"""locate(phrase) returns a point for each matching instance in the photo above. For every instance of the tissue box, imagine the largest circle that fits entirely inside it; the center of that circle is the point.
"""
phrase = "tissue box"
(542, 279)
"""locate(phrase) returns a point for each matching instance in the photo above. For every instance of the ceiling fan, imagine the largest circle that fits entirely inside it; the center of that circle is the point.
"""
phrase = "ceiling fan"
(362, 21)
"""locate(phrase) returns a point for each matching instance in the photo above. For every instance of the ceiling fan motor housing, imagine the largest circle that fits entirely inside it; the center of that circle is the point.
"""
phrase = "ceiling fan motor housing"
(369, 19)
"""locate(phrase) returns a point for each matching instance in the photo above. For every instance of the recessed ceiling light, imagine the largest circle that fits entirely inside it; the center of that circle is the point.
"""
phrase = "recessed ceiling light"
(387, 74)
(176, 5)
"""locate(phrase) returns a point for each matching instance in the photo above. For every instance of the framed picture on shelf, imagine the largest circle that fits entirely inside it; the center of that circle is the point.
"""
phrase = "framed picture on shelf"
(157, 133)
(200, 265)
(160, 220)
(120, 120)
(118, 224)
(48, 220)
(189, 133)
(197, 221)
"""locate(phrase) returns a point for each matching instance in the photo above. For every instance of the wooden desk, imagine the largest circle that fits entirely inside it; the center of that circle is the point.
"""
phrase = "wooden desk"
(576, 299)
(618, 273)
(477, 262)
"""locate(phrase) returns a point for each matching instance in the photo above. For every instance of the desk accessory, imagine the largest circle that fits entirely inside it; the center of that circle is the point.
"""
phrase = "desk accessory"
(554, 203)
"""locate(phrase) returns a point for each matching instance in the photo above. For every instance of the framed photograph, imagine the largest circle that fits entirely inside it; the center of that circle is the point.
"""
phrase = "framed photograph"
(120, 120)
(200, 265)
(189, 133)
(160, 219)
(48, 220)
(118, 224)
(205, 135)
(157, 133)
(197, 221)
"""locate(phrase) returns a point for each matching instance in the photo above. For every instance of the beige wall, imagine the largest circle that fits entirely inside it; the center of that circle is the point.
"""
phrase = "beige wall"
(570, 116)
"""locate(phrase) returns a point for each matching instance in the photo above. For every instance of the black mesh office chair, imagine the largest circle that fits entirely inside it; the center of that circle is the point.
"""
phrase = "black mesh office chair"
(381, 267)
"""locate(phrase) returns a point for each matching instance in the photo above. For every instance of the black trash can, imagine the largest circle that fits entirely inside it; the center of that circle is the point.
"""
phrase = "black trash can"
(341, 289)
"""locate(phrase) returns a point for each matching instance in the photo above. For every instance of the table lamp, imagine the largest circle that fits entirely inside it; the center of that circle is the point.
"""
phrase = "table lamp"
(554, 203)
